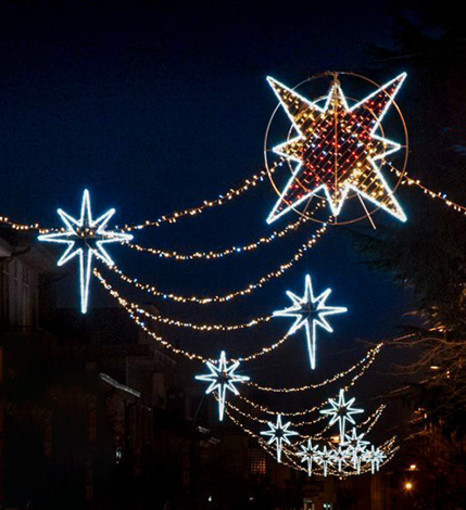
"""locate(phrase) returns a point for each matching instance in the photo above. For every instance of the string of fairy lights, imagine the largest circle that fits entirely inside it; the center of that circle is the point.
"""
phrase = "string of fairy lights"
(335, 149)
(224, 298)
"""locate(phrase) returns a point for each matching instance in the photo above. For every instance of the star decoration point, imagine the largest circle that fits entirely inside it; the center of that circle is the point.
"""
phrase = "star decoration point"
(341, 411)
(308, 453)
(310, 312)
(357, 447)
(336, 148)
(325, 458)
(374, 456)
(85, 238)
(222, 378)
(279, 433)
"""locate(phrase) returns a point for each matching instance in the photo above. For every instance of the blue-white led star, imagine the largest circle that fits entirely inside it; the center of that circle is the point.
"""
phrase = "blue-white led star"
(325, 458)
(357, 447)
(279, 434)
(86, 238)
(341, 412)
(374, 456)
(222, 378)
(310, 312)
(308, 454)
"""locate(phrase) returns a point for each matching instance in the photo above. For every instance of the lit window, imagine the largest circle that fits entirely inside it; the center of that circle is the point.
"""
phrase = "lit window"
(257, 461)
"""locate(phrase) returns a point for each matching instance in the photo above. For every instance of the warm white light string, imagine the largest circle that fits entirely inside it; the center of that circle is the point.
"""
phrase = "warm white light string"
(232, 193)
(171, 218)
(151, 289)
(369, 358)
(234, 250)
(369, 422)
(135, 308)
(405, 180)
(266, 410)
(190, 355)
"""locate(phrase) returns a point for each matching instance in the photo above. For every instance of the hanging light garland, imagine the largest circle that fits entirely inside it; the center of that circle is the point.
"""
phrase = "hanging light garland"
(367, 147)
(190, 355)
(310, 410)
(207, 327)
(437, 195)
(369, 359)
(232, 193)
(209, 255)
(151, 289)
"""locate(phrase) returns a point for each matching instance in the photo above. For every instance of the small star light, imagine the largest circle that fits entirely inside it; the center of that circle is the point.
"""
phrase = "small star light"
(337, 148)
(222, 378)
(310, 312)
(308, 454)
(86, 238)
(325, 458)
(341, 412)
(340, 455)
(279, 434)
(357, 447)
(374, 456)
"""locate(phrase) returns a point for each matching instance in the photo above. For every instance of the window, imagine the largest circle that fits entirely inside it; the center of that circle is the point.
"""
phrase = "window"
(309, 504)
(257, 461)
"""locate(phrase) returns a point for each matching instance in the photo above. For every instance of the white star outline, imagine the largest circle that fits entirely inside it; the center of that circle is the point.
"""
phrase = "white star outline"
(391, 148)
(310, 312)
(92, 235)
(308, 454)
(325, 457)
(357, 447)
(341, 412)
(279, 434)
(222, 378)
(374, 456)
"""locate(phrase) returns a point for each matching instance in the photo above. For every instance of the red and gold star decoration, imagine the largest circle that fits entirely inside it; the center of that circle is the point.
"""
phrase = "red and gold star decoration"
(337, 149)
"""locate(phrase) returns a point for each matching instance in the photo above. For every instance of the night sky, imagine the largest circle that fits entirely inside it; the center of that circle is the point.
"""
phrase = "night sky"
(155, 108)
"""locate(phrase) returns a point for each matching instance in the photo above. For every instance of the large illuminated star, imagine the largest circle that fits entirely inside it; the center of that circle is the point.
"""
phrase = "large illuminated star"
(310, 312)
(337, 148)
(85, 238)
(222, 378)
(341, 411)
(279, 434)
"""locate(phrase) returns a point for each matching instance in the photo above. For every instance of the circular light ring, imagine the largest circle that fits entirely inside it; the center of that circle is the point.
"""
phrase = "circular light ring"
(332, 220)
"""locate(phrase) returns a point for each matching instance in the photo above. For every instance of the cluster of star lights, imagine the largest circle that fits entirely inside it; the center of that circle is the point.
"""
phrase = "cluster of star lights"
(338, 148)
(309, 312)
(352, 450)
(85, 238)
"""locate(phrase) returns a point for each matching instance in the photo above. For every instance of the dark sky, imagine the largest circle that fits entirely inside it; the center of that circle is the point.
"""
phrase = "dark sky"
(155, 108)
